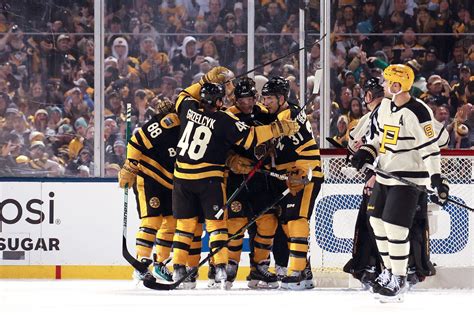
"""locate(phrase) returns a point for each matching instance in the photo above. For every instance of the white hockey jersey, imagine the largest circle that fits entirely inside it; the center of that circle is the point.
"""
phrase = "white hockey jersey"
(407, 142)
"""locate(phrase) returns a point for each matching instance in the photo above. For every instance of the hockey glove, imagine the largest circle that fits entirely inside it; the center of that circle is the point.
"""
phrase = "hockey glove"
(366, 154)
(442, 189)
(217, 75)
(239, 164)
(285, 127)
(128, 174)
(297, 179)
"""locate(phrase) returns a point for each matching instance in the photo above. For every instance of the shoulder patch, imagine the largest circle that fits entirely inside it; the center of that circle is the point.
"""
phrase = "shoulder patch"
(419, 110)
(170, 121)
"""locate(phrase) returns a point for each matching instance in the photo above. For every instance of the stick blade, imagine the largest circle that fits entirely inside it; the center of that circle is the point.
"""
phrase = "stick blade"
(150, 283)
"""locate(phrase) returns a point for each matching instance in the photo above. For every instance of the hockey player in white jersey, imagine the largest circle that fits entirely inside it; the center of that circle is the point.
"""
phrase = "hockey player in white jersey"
(407, 147)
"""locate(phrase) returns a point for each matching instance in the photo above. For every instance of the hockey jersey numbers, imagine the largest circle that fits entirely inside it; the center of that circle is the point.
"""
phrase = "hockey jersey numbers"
(154, 130)
(198, 146)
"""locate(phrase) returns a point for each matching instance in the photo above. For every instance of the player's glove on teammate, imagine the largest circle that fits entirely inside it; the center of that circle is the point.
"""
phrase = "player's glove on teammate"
(365, 154)
(297, 179)
(128, 174)
(442, 189)
(238, 164)
(217, 75)
(284, 127)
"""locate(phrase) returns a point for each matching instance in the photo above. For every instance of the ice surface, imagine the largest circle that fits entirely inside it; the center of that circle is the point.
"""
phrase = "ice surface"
(89, 297)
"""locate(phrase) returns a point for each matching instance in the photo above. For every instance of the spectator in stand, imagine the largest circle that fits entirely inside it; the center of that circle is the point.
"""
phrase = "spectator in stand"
(273, 19)
(188, 59)
(118, 154)
(355, 111)
(153, 64)
(432, 65)
(459, 60)
(425, 23)
(214, 16)
(125, 63)
(439, 89)
(408, 49)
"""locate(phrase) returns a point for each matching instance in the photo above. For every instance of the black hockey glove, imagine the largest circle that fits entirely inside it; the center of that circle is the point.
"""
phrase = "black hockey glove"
(442, 189)
(365, 154)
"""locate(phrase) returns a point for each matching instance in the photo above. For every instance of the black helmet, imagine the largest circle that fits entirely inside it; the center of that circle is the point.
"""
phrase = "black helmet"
(211, 92)
(374, 87)
(276, 86)
(245, 88)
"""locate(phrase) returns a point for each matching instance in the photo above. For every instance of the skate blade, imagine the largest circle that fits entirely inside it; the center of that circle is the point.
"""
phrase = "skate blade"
(260, 285)
(228, 285)
(295, 286)
(309, 284)
(391, 299)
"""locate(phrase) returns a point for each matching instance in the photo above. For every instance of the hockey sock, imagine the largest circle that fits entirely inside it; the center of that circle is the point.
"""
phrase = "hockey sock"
(298, 231)
(164, 238)
(266, 227)
(381, 240)
(218, 236)
(398, 248)
(195, 249)
(182, 239)
(235, 246)
(145, 238)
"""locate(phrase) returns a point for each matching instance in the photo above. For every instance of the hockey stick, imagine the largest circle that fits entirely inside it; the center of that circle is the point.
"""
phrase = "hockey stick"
(125, 253)
(277, 59)
(335, 143)
(150, 281)
(242, 185)
(409, 183)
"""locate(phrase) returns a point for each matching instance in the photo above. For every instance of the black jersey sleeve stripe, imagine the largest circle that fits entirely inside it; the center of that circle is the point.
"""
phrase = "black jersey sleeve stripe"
(406, 138)
(412, 149)
(407, 174)
(420, 111)
(432, 154)
(136, 146)
(140, 140)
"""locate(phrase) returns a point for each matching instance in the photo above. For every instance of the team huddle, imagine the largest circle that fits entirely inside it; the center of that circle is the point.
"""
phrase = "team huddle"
(193, 154)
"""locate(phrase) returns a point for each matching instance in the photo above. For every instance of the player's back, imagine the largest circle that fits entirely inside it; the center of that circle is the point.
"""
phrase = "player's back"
(205, 139)
(155, 144)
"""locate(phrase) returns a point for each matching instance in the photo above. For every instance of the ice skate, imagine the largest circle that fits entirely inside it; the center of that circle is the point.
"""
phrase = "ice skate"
(381, 281)
(261, 278)
(394, 290)
(295, 281)
(231, 270)
(368, 277)
(221, 276)
(161, 272)
(139, 276)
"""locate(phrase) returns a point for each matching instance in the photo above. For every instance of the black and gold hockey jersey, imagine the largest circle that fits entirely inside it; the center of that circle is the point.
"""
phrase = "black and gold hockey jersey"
(299, 150)
(206, 137)
(407, 142)
(154, 146)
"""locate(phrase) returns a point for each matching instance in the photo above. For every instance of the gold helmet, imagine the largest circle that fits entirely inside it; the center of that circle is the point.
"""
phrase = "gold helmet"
(400, 74)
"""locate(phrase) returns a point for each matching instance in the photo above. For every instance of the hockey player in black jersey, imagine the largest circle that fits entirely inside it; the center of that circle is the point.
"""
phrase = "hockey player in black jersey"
(151, 155)
(365, 264)
(295, 156)
(256, 195)
(206, 136)
(407, 147)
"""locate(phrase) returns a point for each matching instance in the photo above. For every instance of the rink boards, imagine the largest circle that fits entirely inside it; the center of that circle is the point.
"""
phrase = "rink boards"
(74, 230)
